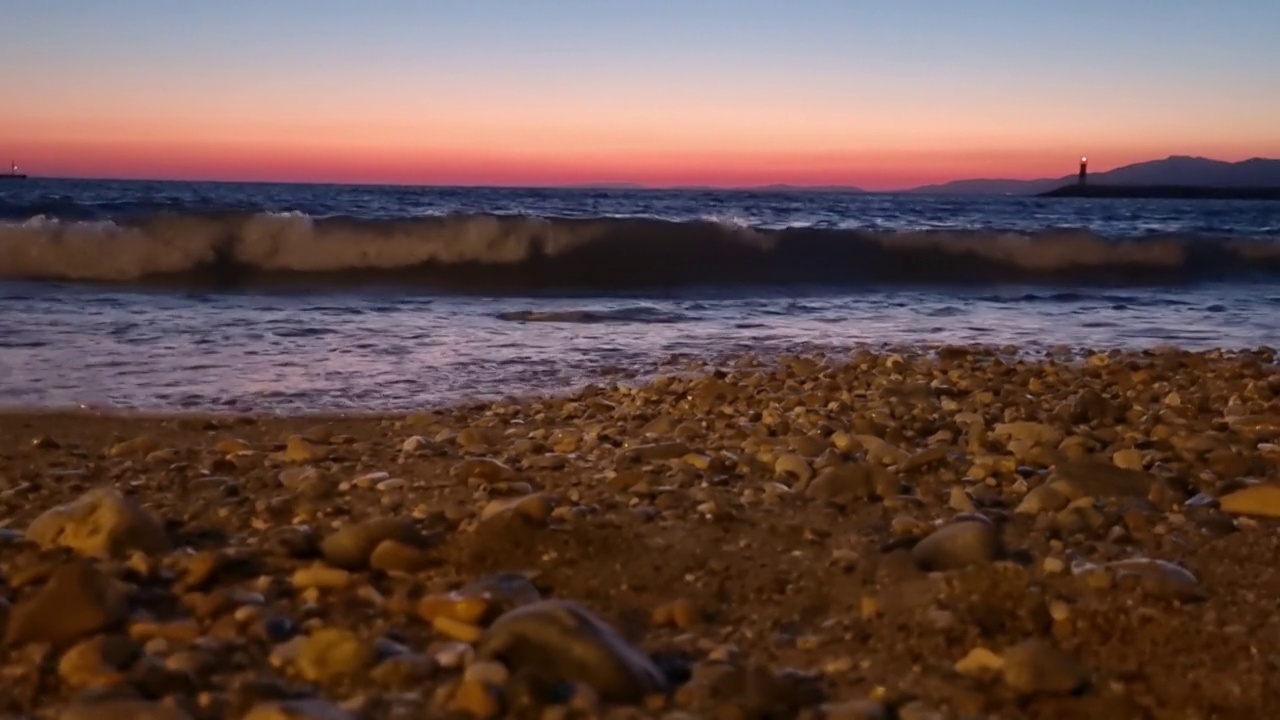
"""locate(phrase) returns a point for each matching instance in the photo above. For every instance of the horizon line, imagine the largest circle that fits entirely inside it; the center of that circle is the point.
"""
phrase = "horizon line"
(623, 184)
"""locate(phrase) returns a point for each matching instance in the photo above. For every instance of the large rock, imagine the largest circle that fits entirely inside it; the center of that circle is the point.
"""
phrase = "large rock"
(102, 523)
(560, 641)
(77, 601)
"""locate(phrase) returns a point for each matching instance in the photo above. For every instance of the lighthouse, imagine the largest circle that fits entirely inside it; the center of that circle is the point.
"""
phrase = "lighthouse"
(1084, 170)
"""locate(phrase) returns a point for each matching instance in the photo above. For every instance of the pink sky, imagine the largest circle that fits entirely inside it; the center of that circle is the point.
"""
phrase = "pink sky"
(748, 92)
(375, 156)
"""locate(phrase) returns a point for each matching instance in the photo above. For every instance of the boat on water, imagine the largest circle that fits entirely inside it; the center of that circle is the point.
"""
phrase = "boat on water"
(13, 173)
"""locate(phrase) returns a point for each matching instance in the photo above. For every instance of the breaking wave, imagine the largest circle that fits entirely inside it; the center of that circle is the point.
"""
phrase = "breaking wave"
(491, 253)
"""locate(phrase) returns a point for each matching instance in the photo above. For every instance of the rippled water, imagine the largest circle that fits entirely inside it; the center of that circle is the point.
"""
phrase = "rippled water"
(369, 347)
(65, 345)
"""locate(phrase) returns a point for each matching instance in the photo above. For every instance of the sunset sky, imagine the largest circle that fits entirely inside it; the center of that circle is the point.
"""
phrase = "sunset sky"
(878, 94)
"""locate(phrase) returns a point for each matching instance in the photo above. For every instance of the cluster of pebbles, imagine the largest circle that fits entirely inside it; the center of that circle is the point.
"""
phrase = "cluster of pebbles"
(953, 533)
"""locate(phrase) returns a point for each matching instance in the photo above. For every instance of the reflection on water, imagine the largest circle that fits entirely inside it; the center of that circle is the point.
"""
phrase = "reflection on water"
(63, 346)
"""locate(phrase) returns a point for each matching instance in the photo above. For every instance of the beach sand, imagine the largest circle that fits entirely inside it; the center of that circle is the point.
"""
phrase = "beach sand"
(948, 534)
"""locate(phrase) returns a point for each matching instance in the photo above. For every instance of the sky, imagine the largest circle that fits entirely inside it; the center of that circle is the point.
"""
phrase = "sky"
(879, 94)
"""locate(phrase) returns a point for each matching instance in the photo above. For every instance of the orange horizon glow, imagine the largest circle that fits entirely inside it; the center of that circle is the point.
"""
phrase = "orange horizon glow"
(875, 170)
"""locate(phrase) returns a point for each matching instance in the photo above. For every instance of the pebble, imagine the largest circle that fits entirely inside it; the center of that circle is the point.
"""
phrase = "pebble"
(1160, 578)
(395, 556)
(794, 466)
(298, 449)
(563, 642)
(1042, 498)
(97, 661)
(320, 577)
(1037, 666)
(843, 484)
(351, 546)
(536, 508)
(958, 545)
(1261, 500)
(979, 662)
(332, 653)
(1096, 477)
(135, 447)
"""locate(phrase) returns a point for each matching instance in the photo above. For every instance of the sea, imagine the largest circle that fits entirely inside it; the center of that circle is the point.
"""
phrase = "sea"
(164, 296)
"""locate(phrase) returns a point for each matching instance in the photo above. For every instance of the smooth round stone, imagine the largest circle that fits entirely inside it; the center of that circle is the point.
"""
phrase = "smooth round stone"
(958, 545)
(561, 641)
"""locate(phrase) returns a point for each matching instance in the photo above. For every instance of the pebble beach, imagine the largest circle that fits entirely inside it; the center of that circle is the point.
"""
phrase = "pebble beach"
(953, 532)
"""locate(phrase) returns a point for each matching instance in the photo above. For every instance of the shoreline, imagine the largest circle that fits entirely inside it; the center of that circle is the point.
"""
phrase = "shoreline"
(875, 533)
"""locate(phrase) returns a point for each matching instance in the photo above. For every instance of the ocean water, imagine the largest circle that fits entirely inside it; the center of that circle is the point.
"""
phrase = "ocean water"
(165, 296)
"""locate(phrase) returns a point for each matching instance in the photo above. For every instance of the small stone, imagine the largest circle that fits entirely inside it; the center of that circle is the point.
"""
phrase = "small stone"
(958, 545)
(1037, 666)
(1097, 477)
(332, 653)
(231, 446)
(536, 508)
(1160, 578)
(469, 609)
(396, 556)
(1030, 432)
(78, 600)
(793, 465)
(559, 641)
(1053, 565)
(351, 546)
(980, 662)
(486, 469)
(960, 500)
(456, 629)
(681, 614)
(137, 447)
(657, 452)
(298, 449)
(97, 662)
(493, 673)
(477, 699)
(103, 524)
(1256, 500)
(1128, 459)
(320, 577)
(843, 484)
(1042, 498)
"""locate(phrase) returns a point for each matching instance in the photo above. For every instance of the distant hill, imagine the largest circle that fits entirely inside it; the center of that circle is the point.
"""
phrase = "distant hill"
(1176, 170)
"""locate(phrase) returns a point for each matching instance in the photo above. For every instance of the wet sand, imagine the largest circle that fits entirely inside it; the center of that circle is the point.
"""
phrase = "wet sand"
(918, 535)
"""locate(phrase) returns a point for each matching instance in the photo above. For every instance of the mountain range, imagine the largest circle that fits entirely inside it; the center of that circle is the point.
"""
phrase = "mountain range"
(1176, 170)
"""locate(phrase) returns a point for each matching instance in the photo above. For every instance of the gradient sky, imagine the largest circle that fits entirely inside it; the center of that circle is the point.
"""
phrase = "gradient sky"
(877, 93)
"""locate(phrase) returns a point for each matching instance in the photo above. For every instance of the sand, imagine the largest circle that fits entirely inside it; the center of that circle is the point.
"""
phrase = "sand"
(953, 534)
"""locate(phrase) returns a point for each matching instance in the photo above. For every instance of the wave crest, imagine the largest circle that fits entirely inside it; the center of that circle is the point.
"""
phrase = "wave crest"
(488, 252)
